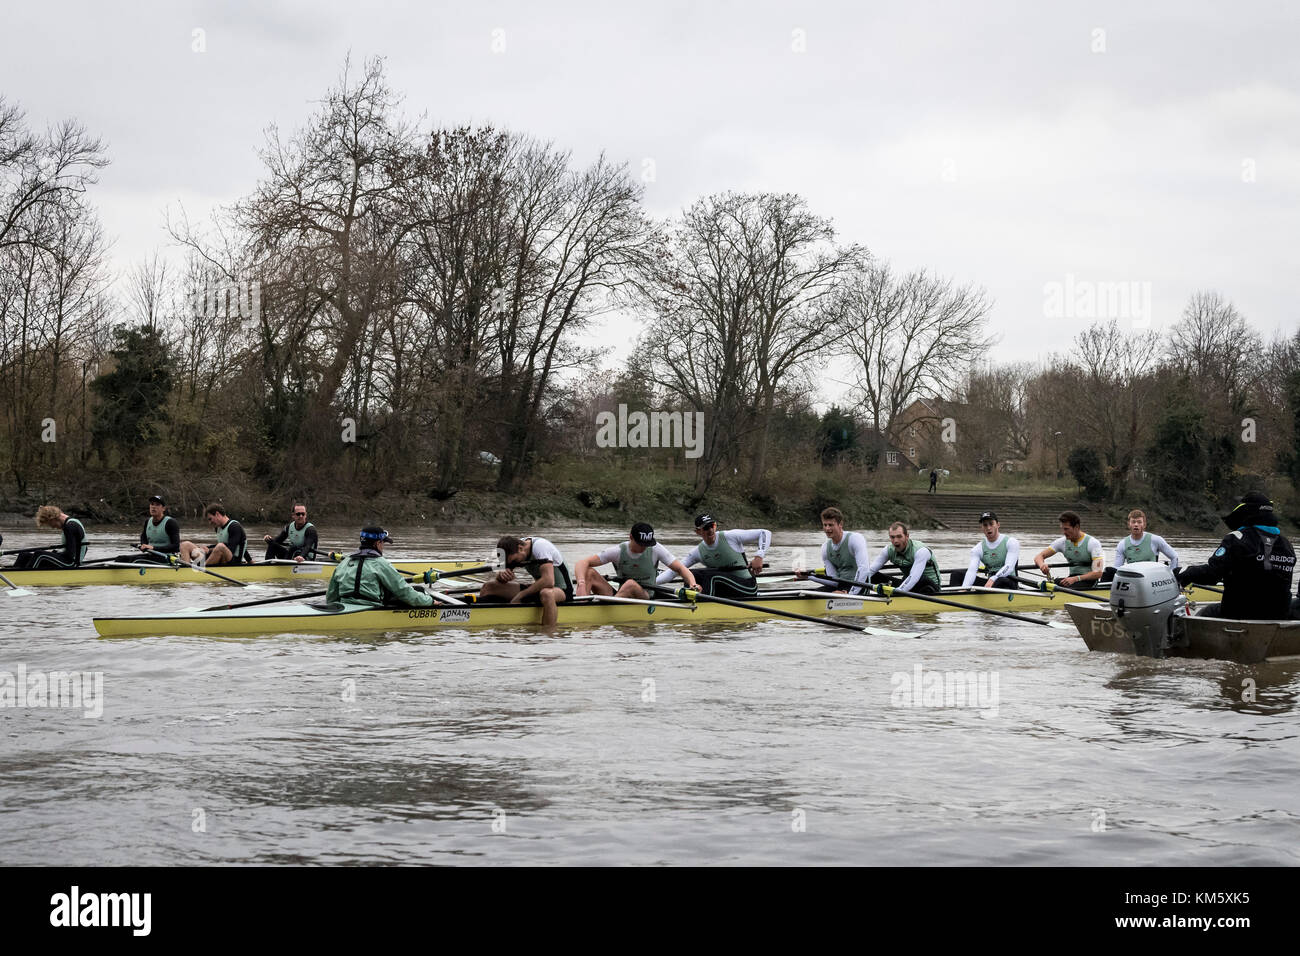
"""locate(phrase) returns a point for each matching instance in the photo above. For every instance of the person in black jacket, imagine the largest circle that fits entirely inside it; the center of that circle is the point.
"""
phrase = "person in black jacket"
(1255, 563)
(297, 542)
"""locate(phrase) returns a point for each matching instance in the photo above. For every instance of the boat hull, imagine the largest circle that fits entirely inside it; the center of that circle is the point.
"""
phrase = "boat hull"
(183, 574)
(309, 619)
(1210, 638)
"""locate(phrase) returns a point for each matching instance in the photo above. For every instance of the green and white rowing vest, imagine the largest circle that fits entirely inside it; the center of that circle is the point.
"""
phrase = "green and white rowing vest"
(841, 560)
(1077, 556)
(84, 543)
(562, 579)
(905, 561)
(639, 568)
(296, 538)
(993, 558)
(223, 536)
(723, 555)
(1144, 550)
(156, 534)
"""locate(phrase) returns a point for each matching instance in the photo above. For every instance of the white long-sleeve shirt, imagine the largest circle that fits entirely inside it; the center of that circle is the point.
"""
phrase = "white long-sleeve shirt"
(736, 538)
(977, 556)
(921, 558)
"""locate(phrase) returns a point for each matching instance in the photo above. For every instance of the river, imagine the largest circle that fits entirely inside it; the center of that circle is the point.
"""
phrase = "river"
(777, 742)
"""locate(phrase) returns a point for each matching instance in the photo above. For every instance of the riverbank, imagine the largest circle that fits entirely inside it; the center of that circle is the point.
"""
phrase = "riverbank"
(594, 496)
(583, 494)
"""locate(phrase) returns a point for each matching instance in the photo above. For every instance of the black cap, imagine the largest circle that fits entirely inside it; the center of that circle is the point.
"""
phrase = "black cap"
(987, 516)
(642, 533)
(704, 520)
(373, 533)
(156, 500)
(1254, 508)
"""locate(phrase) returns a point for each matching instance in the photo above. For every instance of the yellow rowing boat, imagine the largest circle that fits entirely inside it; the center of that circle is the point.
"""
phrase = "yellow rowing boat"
(339, 618)
(268, 572)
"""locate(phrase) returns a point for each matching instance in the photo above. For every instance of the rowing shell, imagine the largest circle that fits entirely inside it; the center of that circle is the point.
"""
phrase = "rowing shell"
(183, 574)
(333, 619)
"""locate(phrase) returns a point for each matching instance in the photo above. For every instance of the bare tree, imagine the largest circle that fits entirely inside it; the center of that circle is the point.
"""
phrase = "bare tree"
(40, 175)
(330, 219)
(908, 336)
(738, 306)
(1214, 346)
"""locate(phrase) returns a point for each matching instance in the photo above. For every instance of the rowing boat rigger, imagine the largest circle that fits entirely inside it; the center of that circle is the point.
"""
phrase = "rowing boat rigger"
(282, 571)
(592, 610)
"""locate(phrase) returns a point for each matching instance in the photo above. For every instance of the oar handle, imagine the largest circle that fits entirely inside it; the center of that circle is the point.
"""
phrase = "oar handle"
(1049, 586)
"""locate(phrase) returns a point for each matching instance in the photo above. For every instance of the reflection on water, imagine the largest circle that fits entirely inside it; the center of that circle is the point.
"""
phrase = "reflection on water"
(763, 742)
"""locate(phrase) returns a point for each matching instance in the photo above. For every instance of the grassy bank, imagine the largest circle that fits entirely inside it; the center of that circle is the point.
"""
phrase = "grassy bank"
(596, 495)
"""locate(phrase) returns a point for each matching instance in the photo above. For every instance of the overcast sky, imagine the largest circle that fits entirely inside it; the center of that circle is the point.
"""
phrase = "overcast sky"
(996, 143)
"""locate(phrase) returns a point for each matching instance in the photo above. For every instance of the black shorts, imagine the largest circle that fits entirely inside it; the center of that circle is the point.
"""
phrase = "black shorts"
(721, 584)
(955, 579)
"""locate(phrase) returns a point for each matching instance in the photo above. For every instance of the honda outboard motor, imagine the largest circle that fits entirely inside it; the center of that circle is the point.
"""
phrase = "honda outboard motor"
(1146, 599)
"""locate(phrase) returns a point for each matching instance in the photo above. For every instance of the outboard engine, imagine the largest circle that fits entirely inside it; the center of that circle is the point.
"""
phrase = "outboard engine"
(1146, 599)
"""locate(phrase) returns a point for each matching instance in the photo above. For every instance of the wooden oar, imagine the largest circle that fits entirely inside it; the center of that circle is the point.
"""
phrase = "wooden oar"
(686, 594)
(889, 591)
(14, 590)
(1049, 586)
(427, 577)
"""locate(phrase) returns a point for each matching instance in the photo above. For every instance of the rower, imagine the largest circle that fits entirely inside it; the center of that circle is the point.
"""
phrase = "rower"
(1082, 554)
(844, 554)
(297, 541)
(1255, 563)
(1141, 545)
(161, 534)
(912, 557)
(997, 555)
(73, 544)
(726, 571)
(231, 545)
(366, 577)
(552, 583)
(635, 561)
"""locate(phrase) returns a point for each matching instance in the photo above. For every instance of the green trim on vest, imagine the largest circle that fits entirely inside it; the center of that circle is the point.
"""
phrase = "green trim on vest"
(841, 560)
(224, 534)
(905, 561)
(296, 538)
(156, 534)
(640, 568)
(723, 555)
(1144, 550)
(994, 558)
(562, 577)
(1077, 556)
